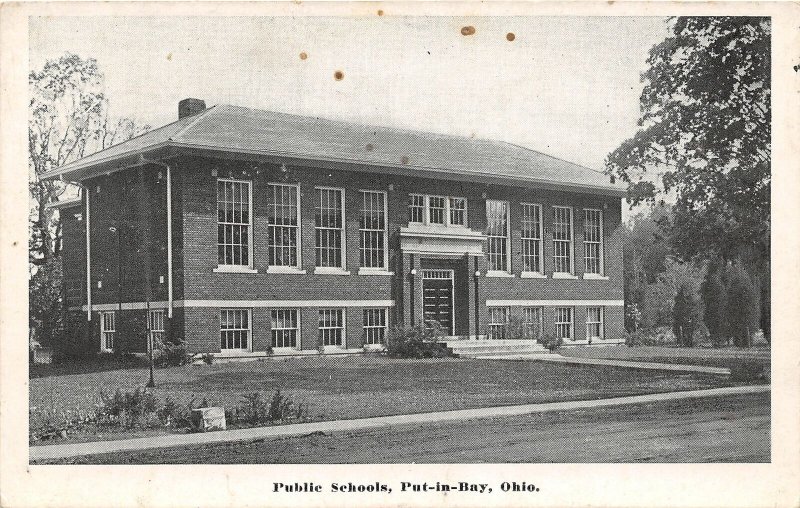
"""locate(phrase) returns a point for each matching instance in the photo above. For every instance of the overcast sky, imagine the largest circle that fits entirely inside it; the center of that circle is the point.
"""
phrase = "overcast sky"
(565, 86)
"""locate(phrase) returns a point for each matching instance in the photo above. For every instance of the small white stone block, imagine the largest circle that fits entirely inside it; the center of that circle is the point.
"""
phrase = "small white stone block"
(209, 418)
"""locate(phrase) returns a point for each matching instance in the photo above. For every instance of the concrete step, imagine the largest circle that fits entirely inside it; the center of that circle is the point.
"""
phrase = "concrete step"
(495, 348)
(534, 356)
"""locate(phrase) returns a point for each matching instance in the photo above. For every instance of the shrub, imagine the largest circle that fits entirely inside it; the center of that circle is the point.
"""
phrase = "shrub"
(551, 342)
(748, 371)
(519, 329)
(171, 354)
(685, 316)
(128, 409)
(208, 358)
(416, 342)
(743, 307)
(255, 409)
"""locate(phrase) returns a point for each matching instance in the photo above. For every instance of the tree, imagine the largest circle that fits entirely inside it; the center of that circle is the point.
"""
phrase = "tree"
(685, 315)
(69, 118)
(46, 302)
(743, 306)
(715, 301)
(705, 126)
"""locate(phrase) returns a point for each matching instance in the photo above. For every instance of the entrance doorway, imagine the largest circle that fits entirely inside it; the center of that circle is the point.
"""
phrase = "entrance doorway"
(437, 297)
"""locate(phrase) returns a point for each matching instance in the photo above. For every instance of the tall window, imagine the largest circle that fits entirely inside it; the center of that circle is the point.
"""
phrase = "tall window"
(498, 322)
(373, 229)
(562, 239)
(156, 325)
(593, 241)
(458, 211)
(564, 323)
(234, 329)
(437, 208)
(440, 210)
(416, 208)
(594, 323)
(497, 231)
(233, 222)
(374, 326)
(532, 320)
(330, 227)
(331, 327)
(283, 224)
(284, 327)
(532, 238)
(108, 329)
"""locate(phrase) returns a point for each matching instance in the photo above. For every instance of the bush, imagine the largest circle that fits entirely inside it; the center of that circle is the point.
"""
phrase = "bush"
(743, 310)
(519, 329)
(551, 342)
(748, 371)
(128, 409)
(171, 354)
(208, 358)
(255, 409)
(416, 342)
(685, 316)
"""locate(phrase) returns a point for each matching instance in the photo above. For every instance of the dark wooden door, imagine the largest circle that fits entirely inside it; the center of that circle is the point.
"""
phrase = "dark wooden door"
(437, 302)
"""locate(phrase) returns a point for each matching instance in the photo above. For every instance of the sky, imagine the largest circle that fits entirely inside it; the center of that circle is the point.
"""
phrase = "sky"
(566, 86)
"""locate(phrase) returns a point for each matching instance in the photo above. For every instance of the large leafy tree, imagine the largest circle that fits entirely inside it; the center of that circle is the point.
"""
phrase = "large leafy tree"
(69, 118)
(705, 130)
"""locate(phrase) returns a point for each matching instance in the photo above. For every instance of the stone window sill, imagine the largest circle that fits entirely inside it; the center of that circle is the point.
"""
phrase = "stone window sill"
(320, 270)
(560, 275)
(286, 269)
(498, 273)
(594, 276)
(233, 269)
(533, 275)
(373, 271)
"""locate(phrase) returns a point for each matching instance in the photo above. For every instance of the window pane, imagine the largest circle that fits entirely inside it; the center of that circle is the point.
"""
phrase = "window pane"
(458, 211)
(233, 222)
(416, 208)
(234, 325)
(593, 241)
(373, 229)
(562, 239)
(497, 232)
(531, 238)
(283, 225)
(329, 223)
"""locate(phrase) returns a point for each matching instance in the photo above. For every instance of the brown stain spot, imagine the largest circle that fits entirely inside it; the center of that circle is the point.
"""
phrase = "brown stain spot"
(404, 159)
(338, 75)
(468, 30)
(303, 55)
(370, 147)
(169, 56)
(510, 36)
(380, 12)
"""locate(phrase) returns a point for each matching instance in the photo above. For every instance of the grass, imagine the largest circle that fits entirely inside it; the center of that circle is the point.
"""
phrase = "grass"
(718, 429)
(355, 387)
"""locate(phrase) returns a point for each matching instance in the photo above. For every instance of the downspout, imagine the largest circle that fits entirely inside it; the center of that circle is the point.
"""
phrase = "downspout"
(88, 256)
(169, 231)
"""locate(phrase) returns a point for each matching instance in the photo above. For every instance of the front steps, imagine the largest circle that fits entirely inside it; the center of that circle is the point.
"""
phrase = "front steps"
(496, 349)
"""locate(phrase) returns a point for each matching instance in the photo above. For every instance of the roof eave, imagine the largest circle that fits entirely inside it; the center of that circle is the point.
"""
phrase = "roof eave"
(78, 172)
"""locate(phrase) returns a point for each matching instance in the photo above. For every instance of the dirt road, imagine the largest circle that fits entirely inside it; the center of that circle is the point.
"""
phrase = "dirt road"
(725, 429)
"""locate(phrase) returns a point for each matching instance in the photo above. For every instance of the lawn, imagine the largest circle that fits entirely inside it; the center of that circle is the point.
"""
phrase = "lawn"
(722, 357)
(354, 387)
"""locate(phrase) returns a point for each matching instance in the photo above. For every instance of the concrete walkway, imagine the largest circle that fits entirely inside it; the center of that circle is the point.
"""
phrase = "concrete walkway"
(623, 363)
(299, 429)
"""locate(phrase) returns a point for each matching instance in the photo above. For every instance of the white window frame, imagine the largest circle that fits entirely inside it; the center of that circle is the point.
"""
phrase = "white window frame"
(249, 329)
(411, 205)
(320, 329)
(104, 331)
(385, 229)
(507, 268)
(527, 322)
(426, 210)
(249, 265)
(342, 238)
(570, 241)
(571, 322)
(493, 324)
(369, 324)
(539, 269)
(600, 324)
(273, 328)
(156, 326)
(599, 243)
(299, 226)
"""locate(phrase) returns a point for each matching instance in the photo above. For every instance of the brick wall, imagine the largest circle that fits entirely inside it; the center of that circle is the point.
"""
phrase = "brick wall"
(120, 201)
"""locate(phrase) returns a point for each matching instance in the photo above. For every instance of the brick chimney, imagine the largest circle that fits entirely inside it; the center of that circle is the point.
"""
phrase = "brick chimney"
(189, 107)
